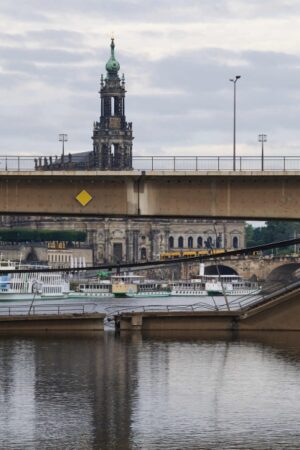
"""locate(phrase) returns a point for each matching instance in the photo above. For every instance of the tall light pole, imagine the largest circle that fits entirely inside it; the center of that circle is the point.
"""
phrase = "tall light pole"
(63, 137)
(234, 80)
(262, 138)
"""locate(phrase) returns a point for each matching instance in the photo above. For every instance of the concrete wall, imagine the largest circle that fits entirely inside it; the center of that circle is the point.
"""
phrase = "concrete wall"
(63, 322)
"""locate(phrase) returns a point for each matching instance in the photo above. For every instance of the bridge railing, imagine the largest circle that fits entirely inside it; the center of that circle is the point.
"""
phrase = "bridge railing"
(249, 301)
(47, 309)
(152, 163)
(116, 310)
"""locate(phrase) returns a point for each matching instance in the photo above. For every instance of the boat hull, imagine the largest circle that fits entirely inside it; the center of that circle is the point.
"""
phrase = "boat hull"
(10, 297)
(148, 295)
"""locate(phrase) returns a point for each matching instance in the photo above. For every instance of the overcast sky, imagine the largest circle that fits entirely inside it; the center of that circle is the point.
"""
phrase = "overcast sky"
(177, 56)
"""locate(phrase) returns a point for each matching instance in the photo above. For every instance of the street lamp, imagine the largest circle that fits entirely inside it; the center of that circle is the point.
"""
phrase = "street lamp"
(63, 137)
(262, 138)
(234, 80)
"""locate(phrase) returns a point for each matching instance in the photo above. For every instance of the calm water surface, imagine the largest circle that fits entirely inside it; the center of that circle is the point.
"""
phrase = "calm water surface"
(150, 392)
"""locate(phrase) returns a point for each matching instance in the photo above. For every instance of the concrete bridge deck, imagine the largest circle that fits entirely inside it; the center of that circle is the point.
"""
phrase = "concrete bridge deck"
(212, 194)
(277, 312)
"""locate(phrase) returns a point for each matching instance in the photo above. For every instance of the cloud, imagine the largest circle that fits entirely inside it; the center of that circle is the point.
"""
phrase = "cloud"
(177, 56)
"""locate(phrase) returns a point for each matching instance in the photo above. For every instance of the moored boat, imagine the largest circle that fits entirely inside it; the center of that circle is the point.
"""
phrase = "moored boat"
(31, 285)
(135, 286)
(93, 288)
(213, 285)
(231, 285)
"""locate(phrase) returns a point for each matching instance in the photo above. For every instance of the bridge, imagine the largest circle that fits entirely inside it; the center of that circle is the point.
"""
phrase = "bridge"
(166, 186)
(249, 195)
(271, 268)
(278, 310)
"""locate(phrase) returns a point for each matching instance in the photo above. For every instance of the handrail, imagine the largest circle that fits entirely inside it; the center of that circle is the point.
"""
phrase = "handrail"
(197, 163)
(249, 302)
(47, 309)
(112, 311)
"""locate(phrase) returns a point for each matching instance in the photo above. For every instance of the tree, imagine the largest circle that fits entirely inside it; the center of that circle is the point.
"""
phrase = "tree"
(273, 231)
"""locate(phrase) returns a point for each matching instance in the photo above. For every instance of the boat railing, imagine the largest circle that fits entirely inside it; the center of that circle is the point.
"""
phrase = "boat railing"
(47, 309)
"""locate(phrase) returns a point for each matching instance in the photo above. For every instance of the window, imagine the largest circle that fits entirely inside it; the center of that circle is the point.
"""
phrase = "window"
(190, 242)
(180, 242)
(171, 242)
(199, 242)
(235, 242)
(209, 242)
(143, 253)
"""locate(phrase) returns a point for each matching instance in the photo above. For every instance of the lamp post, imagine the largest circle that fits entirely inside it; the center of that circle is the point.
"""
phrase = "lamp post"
(262, 138)
(63, 137)
(234, 80)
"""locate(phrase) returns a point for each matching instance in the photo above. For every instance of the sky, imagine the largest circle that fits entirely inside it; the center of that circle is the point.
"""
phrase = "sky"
(177, 56)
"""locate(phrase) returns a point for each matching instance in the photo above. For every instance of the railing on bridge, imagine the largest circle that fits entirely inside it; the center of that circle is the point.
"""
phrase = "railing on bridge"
(246, 302)
(47, 309)
(151, 163)
(240, 304)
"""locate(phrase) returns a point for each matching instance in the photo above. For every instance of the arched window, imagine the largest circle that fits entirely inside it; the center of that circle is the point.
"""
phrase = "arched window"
(171, 242)
(143, 253)
(209, 242)
(190, 242)
(219, 241)
(180, 242)
(199, 242)
(235, 242)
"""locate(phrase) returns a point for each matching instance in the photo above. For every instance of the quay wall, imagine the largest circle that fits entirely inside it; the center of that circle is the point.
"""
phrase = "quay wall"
(63, 322)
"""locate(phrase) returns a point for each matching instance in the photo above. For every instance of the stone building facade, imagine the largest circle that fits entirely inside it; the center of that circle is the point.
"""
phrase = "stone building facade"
(135, 239)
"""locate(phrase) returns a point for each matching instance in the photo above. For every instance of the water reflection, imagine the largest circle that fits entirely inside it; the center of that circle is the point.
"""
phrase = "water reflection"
(150, 391)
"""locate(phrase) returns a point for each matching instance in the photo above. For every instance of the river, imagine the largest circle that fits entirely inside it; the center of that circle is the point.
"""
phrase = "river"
(158, 391)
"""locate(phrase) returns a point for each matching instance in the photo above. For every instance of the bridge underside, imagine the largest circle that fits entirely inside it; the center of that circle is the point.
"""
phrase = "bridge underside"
(254, 195)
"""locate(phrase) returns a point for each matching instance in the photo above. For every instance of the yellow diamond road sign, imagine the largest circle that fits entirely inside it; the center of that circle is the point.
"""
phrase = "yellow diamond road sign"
(84, 198)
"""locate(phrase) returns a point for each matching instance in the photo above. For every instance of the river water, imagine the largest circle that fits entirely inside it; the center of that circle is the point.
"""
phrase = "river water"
(150, 391)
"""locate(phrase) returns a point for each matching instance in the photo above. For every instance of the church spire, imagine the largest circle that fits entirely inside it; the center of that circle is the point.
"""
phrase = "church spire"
(112, 65)
(112, 135)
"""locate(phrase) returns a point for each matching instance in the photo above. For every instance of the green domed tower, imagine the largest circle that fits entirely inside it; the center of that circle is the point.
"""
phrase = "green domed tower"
(112, 136)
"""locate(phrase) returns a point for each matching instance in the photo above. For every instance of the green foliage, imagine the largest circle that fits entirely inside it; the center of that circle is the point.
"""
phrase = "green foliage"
(29, 235)
(103, 275)
(273, 231)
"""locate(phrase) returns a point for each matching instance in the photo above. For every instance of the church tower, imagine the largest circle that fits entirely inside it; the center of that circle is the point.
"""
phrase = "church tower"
(112, 136)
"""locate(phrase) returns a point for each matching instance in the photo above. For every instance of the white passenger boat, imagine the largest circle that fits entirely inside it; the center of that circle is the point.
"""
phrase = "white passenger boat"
(213, 285)
(135, 286)
(192, 288)
(231, 285)
(93, 288)
(31, 285)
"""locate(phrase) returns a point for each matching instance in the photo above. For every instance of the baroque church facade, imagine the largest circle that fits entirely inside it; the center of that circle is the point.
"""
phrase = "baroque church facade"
(128, 239)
